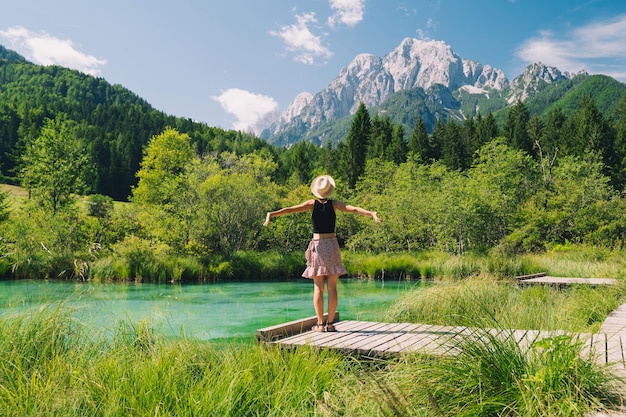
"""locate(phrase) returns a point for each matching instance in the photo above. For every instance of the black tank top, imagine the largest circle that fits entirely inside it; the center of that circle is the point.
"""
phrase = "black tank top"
(323, 217)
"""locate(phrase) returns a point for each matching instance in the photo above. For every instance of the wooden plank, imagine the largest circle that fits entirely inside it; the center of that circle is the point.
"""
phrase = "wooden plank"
(384, 334)
(347, 336)
(563, 281)
(538, 274)
(286, 329)
(365, 341)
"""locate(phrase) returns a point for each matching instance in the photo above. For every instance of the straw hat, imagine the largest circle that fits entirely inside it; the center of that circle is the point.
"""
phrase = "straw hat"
(323, 186)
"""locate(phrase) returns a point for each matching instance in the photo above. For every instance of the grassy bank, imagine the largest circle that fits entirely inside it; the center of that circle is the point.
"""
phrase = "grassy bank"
(484, 302)
(50, 365)
(564, 260)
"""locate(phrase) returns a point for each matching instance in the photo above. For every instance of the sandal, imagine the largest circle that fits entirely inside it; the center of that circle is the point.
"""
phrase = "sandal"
(318, 328)
(330, 327)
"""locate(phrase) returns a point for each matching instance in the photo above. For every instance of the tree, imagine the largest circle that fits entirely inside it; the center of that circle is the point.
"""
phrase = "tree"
(535, 130)
(619, 172)
(453, 153)
(553, 138)
(229, 210)
(574, 206)
(486, 129)
(54, 165)
(304, 157)
(516, 128)
(165, 159)
(328, 158)
(504, 178)
(592, 132)
(468, 139)
(165, 192)
(419, 143)
(353, 155)
(380, 138)
(398, 148)
(437, 140)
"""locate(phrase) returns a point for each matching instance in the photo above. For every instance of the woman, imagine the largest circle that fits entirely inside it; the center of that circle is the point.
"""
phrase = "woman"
(323, 257)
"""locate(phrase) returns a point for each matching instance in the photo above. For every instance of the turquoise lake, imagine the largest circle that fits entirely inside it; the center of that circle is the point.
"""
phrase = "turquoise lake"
(200, 311)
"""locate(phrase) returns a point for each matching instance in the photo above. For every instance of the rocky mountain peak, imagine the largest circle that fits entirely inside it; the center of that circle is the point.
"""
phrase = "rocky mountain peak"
(533, 79)
(429, 65)
(370, 79)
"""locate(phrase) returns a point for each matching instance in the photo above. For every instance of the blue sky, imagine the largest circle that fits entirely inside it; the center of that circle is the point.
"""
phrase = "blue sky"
(228, 62)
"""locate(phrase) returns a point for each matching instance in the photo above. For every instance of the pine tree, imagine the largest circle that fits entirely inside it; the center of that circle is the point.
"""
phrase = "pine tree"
(380, 138)
(619, 171)
(592, 131)
(535, 131)
(398, 148)
(486, 129)
(419, 143)
(516, 128)
(453, 152)
(554, 133)
(437, 140)
(353, 155)
(468, 139)
(302, 161)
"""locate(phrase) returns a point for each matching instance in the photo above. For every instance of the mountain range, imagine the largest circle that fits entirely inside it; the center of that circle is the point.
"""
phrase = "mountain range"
(422, 78)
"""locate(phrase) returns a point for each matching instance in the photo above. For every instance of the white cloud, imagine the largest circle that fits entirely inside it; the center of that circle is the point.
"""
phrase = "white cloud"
(599, 47)
(347, 12)
(300, 40)
(43, 49)
(248, 108)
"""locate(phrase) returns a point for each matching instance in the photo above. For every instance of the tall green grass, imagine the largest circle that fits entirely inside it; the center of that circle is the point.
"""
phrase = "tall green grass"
(472, 301)
(49, 365)
(565, 260)
(493, 376)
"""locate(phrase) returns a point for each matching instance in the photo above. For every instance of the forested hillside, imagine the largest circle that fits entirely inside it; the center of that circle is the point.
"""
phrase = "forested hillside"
(113, 124)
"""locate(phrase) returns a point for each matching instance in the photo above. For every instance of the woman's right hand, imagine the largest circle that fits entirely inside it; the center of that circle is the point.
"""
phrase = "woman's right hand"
(267, 219)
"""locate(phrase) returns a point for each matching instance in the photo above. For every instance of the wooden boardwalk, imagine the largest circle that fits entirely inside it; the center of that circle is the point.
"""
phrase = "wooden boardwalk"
(542, 278)
(374, 339)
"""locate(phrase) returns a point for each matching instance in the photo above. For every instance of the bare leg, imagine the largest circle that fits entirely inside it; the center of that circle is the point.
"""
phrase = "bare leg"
(318, 298)
(333, 298)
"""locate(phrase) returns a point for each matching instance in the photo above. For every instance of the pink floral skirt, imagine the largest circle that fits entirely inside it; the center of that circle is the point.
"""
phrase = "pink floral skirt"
(323, 257)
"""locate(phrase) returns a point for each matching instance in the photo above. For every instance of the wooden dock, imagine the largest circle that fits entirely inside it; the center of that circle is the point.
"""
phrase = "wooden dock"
(379, 340)
(374, 339)
(542, 278)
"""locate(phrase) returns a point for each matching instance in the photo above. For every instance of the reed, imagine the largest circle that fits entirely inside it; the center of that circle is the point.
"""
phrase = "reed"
(565, 260)
(469, 302)
(493, 376)
(50, 366)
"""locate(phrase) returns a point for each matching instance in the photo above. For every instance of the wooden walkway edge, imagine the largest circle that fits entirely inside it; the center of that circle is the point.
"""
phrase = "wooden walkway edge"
(542, 278)
(374, 339)
(379, 340)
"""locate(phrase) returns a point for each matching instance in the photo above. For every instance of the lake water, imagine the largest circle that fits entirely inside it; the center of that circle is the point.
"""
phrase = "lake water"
(201, 311)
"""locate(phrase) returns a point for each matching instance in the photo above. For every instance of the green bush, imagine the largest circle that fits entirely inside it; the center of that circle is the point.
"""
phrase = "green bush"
(99, 205)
